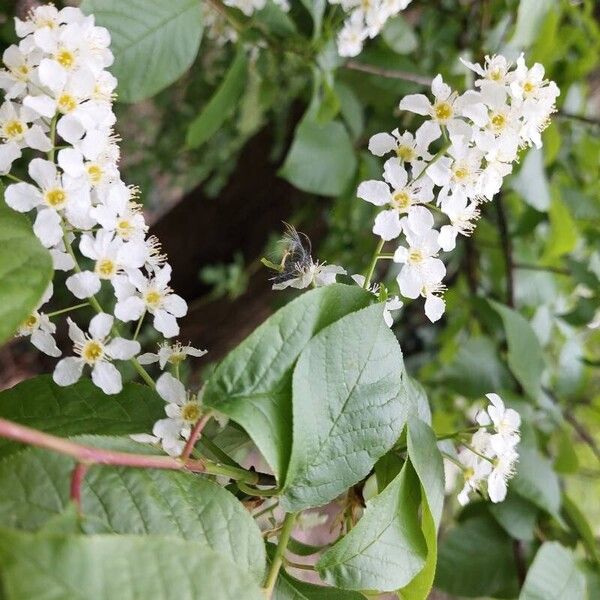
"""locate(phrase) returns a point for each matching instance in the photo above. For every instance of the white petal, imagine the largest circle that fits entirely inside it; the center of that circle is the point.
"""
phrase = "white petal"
(43, 105)
(101, 325)
(83, 285)
(496, 488)
(447, 238)
(144, 438)
(9, 152)
(148, 358)
(52, 75)
(170, 389)
(167, 428)
(47, 227)
(130, 309)
(71, 162)
(420, 219)
(409, 282)
(387, 225)
(375, 192)
(440, 89)
(107, 377)
(22, 196)
(67, 371)
(43, 172)
(36, 138)
(381, 143)
(434, 307)
(395, 174)
(416, 103)
(122, 349)
(165, 323)
(75, 332)
(70, 129)
(45, 342)
(176, 305)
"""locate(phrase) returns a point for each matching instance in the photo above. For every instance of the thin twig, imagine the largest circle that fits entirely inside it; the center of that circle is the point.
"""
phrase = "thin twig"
(194, 435)
(528, 267)
(388, 73)
(77, 478)
(507, 251)
(581, 118)
(583, 433)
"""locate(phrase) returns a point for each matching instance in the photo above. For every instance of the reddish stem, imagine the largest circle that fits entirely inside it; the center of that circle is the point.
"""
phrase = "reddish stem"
(77, 478)
(91, 455)
(194, 435)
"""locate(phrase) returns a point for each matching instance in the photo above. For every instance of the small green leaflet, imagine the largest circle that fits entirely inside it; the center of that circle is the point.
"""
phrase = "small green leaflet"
(222, 104)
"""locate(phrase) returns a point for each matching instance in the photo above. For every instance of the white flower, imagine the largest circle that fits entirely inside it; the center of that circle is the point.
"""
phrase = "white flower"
(476, 469)
(97, 350)
(246, 6)
(408, 148)
(495, 69)
(420, 267)
(40, 329)
(183, 412)
(56, 195)
(503, 469)
(352, 36)
(462, 215)
(173, 354)
(111, 257)
(402, 199)
(505, 421)
(20, 68)
(45, 17)
(315, 274)
(137, 294)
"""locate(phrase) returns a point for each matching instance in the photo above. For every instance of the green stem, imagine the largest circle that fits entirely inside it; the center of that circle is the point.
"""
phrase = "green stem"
(253, 491)
(139, 326)
(52, 138)
(221, 455)
(264, 511)
(374, 259)
(483, 456)
(66, 310)
(13, 177)
(454, 460)
(284, 538)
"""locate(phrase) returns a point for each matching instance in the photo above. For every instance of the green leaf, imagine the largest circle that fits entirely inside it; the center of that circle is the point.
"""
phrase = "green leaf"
(349, 407)
(531, 181)
(427, 461)
(530, 17)
(79, 408)
(35, 488)
(386, 549)
(476, 559)
(579, 522)
(154, 41)
(525, 356)
(316, 8)
(222, 104)
(536, 481)
(516, 516)
(321, 159)
(399, 35)
(25, 270)
(554, 575)
(105, 567)
(563, 231)
(253, 384)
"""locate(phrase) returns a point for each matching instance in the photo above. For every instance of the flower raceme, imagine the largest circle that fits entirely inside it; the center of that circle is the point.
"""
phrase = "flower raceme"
(57, 87)
(479, 134)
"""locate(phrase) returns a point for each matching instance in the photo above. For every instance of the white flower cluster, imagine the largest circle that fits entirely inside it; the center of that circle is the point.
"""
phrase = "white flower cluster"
(489, 460)
(366, 20)
(483, 131)
(57, 86)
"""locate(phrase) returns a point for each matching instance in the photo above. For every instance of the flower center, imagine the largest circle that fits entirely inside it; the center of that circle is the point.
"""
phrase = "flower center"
(498, 121)
(56, 198)
(468, 473)
(190, 411)
(14, 129)
(106, 268)
(528, 87)
(153, 299)
(496, 75)
(124, 228)
(415, 256)
(442, 111)
(177, 358)
(405, 153)
(31, 322)
(65, 58)
(401, 200)
(66, 103)
(94, 172)
(22, 72)
(92, 351)
(461, 173)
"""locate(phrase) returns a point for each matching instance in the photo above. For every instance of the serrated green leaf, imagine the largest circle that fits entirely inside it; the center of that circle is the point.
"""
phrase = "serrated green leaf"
(253, 384)
(222, 104)
(476, 559)
(428, 464)
(106, 567)
(349, 407)
(154, 42)
(34, 488)
(25, 269)
(386, 549)
(321, 160)
(78, 409)
(525, 356)
(554, 575)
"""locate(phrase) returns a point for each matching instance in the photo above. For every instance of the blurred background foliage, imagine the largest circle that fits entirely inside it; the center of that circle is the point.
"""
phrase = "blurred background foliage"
(281, 93)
